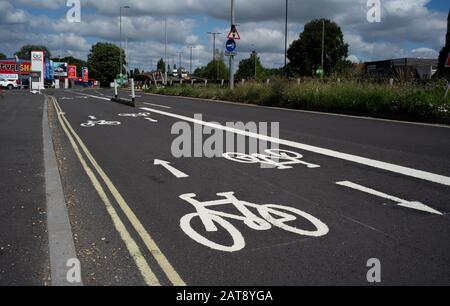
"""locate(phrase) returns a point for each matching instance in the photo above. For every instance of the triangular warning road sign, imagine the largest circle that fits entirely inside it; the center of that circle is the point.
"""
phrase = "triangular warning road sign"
(234, 34)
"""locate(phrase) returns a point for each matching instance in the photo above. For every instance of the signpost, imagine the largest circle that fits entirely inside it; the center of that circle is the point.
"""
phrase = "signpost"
(72, 72)
(234, 34)
(231, 48)
(38, 65)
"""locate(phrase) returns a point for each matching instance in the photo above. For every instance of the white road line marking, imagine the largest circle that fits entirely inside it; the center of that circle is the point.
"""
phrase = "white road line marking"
(177, 173)
(423, 175)
(400, 202)
(157, 105)
(151, 245)
(130, 243)
(151, 120)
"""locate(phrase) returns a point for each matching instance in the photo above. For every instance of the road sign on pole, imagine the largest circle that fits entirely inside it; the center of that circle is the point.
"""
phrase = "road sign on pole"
(230, 45)
(234, 34)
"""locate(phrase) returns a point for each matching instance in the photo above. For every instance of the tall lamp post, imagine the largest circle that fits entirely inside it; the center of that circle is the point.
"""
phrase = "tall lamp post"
(286, 38)
(254, 57)
(214, 34)
(190, 63)
(120, 26)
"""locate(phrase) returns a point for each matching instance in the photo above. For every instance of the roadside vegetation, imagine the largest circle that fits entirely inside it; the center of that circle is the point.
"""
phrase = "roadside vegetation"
(402, 101)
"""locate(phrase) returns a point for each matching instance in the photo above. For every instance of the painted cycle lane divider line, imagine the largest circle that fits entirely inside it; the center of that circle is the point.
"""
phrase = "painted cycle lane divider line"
(400, 202)
(410, 172)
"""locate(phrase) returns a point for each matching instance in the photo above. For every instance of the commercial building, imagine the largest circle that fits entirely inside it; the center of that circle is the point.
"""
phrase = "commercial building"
(402, 68)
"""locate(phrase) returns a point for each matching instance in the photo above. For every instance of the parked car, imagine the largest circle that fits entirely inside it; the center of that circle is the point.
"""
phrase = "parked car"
(10, 84)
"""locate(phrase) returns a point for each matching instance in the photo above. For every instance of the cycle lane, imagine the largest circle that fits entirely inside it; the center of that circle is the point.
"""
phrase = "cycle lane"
(127, 155)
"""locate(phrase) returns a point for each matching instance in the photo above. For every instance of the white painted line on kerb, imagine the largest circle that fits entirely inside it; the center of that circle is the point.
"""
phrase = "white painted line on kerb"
(400, 202)
(423, 175)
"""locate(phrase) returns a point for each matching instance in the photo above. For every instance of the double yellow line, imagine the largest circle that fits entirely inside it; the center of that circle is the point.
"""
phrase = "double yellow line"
(93, 170)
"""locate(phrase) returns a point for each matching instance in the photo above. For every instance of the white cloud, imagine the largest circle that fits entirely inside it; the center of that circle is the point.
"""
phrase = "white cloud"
(408, 27)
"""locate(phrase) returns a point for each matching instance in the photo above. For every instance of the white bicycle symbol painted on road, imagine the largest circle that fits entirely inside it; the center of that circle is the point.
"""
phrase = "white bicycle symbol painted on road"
(135, 115)
(273, 158)
(92, 123)
(271, 215)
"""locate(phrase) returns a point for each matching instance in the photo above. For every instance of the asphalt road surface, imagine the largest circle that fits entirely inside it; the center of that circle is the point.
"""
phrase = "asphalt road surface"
(340, 191)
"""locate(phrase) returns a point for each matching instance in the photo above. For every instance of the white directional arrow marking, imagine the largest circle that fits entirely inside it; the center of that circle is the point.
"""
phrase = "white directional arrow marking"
(177, 173)
(401, 202)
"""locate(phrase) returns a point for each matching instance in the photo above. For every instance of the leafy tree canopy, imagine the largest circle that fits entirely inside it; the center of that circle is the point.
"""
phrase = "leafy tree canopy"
(104, 62)
(25, 52)
(305, 54)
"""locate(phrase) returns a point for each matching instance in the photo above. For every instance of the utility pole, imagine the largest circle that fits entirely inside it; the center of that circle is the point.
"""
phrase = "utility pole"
(179, 57)
(214, 51)
(126, 57)
(120, 27)
(233, 21)
(286, 38)
(254, 59)
(165, 52)
(323, 45)
(190, 65)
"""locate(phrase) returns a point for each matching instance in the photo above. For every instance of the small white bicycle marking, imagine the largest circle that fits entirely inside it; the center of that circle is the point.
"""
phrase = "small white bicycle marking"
(136, 115)
(275, 158)
(92, 123)
(271, 215)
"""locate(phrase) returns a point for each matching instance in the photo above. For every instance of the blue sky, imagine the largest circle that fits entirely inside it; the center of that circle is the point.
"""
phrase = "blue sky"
(408, 27)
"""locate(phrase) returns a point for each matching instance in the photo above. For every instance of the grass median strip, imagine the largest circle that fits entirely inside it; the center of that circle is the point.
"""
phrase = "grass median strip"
(424, 103)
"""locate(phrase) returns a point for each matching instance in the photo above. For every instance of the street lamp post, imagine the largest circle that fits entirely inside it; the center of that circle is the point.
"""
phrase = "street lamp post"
(165, 52)
(233, 22)
(179, 60)
(214, 34)
(190, 64)
(254, 59)
(120, 26)
(286, 38)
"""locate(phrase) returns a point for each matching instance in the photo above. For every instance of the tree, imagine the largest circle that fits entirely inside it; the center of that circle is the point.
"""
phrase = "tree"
(444, 72)
(247, 68)
(2, 56)
(305, 53)
(72, 61)
(25, 52)
(103, 62)
(161, 66)
(214, 69)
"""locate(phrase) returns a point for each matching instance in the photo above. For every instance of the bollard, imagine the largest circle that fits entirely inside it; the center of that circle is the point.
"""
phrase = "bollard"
(243, 81)
(391, 82)
(115, 89)
(133, 95)
(192, 83)
(181, 81)
(268, 81)
(223, 82)
(339, 80)
(206, 83)
(298, 82)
